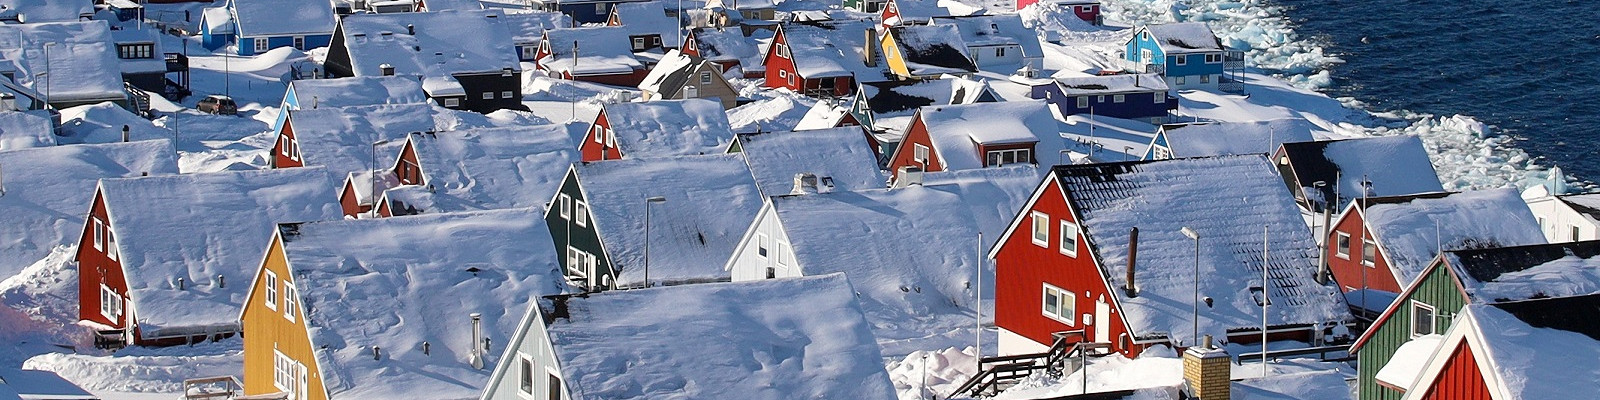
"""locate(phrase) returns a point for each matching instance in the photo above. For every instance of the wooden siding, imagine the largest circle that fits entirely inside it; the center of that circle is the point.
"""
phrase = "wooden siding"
(95, 267)
(407, 168)
(1437, 288)
(1348, 271)
(594, 147)
(749, 264)
(279, 158)
(267, 329)
(1461, 379)
(533, 342)
(779, 69)
(348, 201)
(566, 232)
(905, 155)
(891, 51)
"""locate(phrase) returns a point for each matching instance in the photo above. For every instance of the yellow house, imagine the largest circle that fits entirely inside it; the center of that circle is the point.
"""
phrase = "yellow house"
(393, 308)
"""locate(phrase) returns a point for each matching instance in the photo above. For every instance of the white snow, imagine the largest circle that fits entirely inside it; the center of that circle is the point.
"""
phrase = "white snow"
(39, 383)
(1111, 84)
(342, 139)
(1408, 361)
(841, 154)
(784, 111)
(19, 130)
(832, 51)
(601, 50)
(264, 18)
(648, 18)
(445, 43)
(1229, 138)
(1534, 362)
(1567, 276)
(356, 91)
(958, 130)
(82, 62)
(492, 168)
(1412, 232)
(669, 127)
(139, 370)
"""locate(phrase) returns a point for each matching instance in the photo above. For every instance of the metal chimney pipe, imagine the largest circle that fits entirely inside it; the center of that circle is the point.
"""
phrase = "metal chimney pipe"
(1133, 256)
(475, 356)
(221, 281)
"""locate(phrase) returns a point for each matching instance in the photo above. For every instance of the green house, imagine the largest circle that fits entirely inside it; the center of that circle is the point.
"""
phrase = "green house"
(1457, 278)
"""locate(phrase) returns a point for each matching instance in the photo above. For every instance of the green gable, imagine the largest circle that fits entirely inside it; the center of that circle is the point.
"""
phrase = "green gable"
(572, 238)
(1436, 288)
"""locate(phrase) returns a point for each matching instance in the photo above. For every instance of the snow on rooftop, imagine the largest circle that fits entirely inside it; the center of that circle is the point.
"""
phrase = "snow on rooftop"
(647, 18)
(457, 5)
(39, 384)
(842, 155)
(1408, 361)
(902, 98)
(364, 182)
(916, 12)
(833, 50)
(342, 138)
(1111, 84)
(357, 91)
(672, 71)
(445, 43)
(933, 49)
(398, 282)
(1528, 272)
(669, 127)
(601, 50)
(996, 30)
(823, 115)
(1411, 233)
(1162, 197)
(1392, 165)
(1586, 204)
(48, 10)
(1185, 37)
(1229, 138)
(47, 190)
(82, 64)
(724, 44)
(528, 27)
(744, 340)
(199, 226)
(20, 130)
(493, 168)
(710, 200)
(264, 18)
(218, 19)
(1534, 362)
(957, 130)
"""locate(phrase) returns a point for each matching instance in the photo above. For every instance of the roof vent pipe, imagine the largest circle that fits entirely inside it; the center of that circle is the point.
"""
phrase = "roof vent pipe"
(805, 183)
(180, 283)
(222, 282)
(475, 357)
(388, 70)
(411, 29)
(1133, 256)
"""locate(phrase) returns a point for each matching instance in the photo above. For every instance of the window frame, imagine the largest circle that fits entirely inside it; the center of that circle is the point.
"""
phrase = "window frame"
(705, 78)
(1069, 251)
(506, 94)
(452, 102)
(580, 213)
(1368, 246)
(1160, 97)
(1041, 237)
(270, 279)
(565, 206)
(1433, 318)
(1181, 81)
(1118, 98)
(110, 303)
(1000, 51)
(1181, 60)
(638, 43)
(761, 246)
(920, 154)
(99, 234)
(1083, 101)
(1342, 244)
(289, 300)
(262, 45)
(488, 95)
(525, 374)
(1066, 304)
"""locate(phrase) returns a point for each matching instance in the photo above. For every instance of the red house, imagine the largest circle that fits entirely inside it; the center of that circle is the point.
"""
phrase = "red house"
(1384, 243)
(1535, 349)
(1100, 254)
(599, 54)
(657, 129)
(978, 135)
(347, 139)
(806, 58)
(465, 170)
(1087, 10)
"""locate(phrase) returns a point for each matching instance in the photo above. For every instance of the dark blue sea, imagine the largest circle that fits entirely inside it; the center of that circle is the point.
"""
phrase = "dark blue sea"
(1529, 68)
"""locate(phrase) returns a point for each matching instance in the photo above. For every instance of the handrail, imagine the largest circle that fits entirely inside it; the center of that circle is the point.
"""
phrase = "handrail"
(1321, 352)
(1020, 365)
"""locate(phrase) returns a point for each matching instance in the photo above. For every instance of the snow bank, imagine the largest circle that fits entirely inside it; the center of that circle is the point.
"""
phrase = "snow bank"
(1105, 374)
(103, 122)
(782, 112)
(38, 307)
(144, 370)
(932, 373)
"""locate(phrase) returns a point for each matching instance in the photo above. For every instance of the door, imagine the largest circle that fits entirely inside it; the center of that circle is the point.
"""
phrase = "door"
(1102, 321)
(300, 42)
(300, 382)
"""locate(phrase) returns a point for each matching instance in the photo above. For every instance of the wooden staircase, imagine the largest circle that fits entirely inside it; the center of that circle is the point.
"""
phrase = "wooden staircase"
(998, 373)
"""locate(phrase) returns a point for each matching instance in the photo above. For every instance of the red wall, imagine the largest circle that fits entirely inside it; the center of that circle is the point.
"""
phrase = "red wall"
(95, 268)
(1460, 380)
(1348, 272)
(775, 64)
(917, 133)
(592, 151)
(279, 160)
(407, 168)
(628, 80)
(348, 203)
(1023, 267)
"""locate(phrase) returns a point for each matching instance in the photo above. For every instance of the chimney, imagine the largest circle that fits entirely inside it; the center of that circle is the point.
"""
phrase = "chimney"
(411, 29)
(871, 49)
(125, 134)
(475, 356)
(1133, 256)
(388, 70)
(908, 176)
(8, 102)
(1207, 372)
(805, 183)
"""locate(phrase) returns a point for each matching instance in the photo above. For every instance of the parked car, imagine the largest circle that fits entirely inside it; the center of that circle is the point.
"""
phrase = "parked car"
(216, 104)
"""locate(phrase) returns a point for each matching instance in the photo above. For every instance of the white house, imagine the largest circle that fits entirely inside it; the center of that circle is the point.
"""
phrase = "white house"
(1565, 218)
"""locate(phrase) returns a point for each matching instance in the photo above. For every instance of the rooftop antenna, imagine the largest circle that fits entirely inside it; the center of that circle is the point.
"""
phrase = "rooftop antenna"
(978, 305)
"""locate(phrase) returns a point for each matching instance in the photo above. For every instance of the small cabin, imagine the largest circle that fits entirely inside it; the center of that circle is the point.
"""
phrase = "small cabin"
(807, 59)
(1187, 54)
(979, 135)
(257, 26)
(683, 76)
(1327, 174)
(1142, 97)
(599, 54)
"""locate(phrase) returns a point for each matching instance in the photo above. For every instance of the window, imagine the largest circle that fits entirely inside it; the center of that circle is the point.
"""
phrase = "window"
(566, 206)
(1161, 97)
(782, 73)
(1421, 319)
(288, 300)
(761, 244)
(261, 44)
(1083, 101)
(1069, 238)
(111, 245)
(1343, 248)
(1180, 80)
(638, 43)
(528, 52)
(1205, 78)
(1060, 305)
(300, 42)
(526, 374)
(791, 79)
(1213, 58)
(783, 50)
(452, 102)
(555, 387)
(580, 213)
(600, 8)
(1000, 52)
(272, 290)
(919, 154)
(785, 254)
(705, 77)
(1369, 252)
(1041, 229)
(1118, 98)
(110, 303)
(282, 371)
(135, 51)
(1574, 238)
(99, 235)
(488, 95)
(505, 94)
(1012, 156)
(578, 262)
(1182, 60)
(1100, 99)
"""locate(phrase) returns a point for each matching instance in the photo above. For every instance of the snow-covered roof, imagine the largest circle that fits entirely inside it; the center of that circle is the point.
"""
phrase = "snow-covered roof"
(1392, 165)
(743, 5)
(492, 168)
(1528, 272)
(1403, 368)
(902, 98)
(48, 190)
(823, 115)
(341, 138)
(262, 18)
(39, 384)
(669, 75)
(957, 130)
(841, 154)
(19, 130)
(1161, 198)
(529, 27)
(1229, 138)
(996, 30)
(200, 226)
(710, 200)
(833, 49)
(647, 18)
(1412, 230)
(357, 91)
(1586, 204)
(218, 19)
(1111, 84)
(669, 127)
(602, 50)
(363, 183)
(944, 215)
(82, 64)
(36, 11)
(932, 49)
(915, 12)
(458, 5)
(398, 282)
(1185, 37)
(744, 340)
(724, 44)
(1540, 349)
(445, 43)
(156, 64)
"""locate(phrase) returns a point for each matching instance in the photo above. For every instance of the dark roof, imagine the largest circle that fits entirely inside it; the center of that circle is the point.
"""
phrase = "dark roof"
(1486, 265)
(673, 83)
(1403, 199)
(1580, 208)
(932, 45)
(1376, 158)
(887, 98)
(1572, 314)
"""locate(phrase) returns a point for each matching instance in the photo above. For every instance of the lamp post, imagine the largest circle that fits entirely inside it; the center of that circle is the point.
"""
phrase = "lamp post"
(374, 171)
(1322, 259)
(647, 203)
(1127, 152)
(40, 76)
(46, 73)
(1196, 236)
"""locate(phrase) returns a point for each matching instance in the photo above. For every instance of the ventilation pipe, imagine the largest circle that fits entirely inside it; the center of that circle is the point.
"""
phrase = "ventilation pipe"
(180, 283)
(475, 356)
(124, 133)
(388, 70)
(805, 183)
(222, 282)
(1133, 256)
(411, 29)
(871, 54)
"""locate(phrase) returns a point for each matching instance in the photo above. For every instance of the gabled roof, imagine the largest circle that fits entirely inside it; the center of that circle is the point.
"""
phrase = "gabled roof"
(833, 49)
(341, 138)
(1586, 204)
(491, 168)
(669, 127)
(724, 44)
(445, 43)
(261, 18)
(39, 384)
(932, 49)
(529, 27)
(218, 19)
(709, 201)
(1229, 138)
(200, 226)
(647, 18)
(20, 130)
(457, 5)
(841, 154)
(1535, 349)
(744, 340)
(1528, 272)
(1412, 230)
(82, 64)
(996, 30)
(915, 12)
(357, 91)
(823, 115)
(902, 98)
(48, 191)
(668, 77)
(397, 282)
(957, 130)
(1111, 84)
(602, 50)
(1227, 201)
(1185, 37)
(37, 11)
(1393, 165)
(743, 5)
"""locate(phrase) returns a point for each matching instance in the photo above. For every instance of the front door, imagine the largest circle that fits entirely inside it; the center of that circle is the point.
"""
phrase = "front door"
(1102, 321)
(300, 42)
(300, 382)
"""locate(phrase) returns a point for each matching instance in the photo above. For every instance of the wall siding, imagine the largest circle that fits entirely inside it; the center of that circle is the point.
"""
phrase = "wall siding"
(917, 133)
(1437, 288)
(278, 159)
(267, 329)
(1348, 272)
(535, 343)
(95, 268)
(592, 148)
(749, 264)
(565, 232)
(1460, 379)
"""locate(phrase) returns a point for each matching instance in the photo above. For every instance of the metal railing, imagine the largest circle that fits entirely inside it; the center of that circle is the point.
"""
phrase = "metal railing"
(996, 371)
(212, 388)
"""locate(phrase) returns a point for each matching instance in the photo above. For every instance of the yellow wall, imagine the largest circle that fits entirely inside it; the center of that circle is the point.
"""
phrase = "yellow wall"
(891, 55)
(266, 328)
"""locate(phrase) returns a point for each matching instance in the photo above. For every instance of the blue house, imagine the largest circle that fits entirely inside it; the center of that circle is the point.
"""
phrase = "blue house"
(1142, 97)
(256, 26)
(582, 11)
(1187, 54)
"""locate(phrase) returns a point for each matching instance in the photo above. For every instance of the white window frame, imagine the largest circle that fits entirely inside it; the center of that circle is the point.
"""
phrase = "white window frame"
(262, 45)
(1069, 232)
(1181, 80)
(505, 94)
(1433, 316)
(488, 95)
(271, 280)
(785, 254)
(638, 43)
(1066, 304)
(452, 102)
(705, 78)
(1000, 51)
(289, 300)
(300, 42)
(580, 213)
(783, 74)
(525, 375)
(1083, 101)
(1367, 245)
(1118, 98)
(1160, 97)
(600, 134)
(761, 246)
(566, 206)
(99, 235)
(110, 303)
(1041, 229)
(1341, 245)
(1205, 78)
(282, 371)
(995, 158)
(1181, 60)
(111, 245)
(919, 154)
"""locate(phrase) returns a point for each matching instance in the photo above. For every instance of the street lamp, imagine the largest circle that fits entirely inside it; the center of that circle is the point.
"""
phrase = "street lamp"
(1322, 263)
(647, 203)
(1196, 236)
(40, 76)
(46, 73)
(374, 172)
